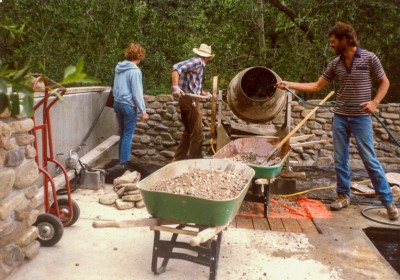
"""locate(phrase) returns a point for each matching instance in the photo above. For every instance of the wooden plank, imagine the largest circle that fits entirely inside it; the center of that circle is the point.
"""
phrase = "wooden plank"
(92, 156)
(307, 226)
(260, 223)
(276, 224)
(296, 139)
(88, 159)
(244, 222)
(291, 225)
(214, 101)
(174, 230)
(307, 144)
(254, 129)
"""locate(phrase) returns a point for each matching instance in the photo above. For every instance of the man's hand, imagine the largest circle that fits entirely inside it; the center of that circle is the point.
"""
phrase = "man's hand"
(281, 85)
(176, 91)
(145, 117)
(206, 94)
(369, 107)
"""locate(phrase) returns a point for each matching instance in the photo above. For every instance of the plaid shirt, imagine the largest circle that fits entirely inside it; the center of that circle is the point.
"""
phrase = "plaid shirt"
(190, 75)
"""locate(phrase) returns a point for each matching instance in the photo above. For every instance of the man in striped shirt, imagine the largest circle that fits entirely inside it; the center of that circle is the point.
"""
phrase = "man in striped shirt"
(355, 69)
(187, 77)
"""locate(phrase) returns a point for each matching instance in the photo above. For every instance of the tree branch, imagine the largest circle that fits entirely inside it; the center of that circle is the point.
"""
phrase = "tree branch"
(293, 16)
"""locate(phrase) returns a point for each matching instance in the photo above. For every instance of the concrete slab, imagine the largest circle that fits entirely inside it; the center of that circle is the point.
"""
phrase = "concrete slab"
(342, 251)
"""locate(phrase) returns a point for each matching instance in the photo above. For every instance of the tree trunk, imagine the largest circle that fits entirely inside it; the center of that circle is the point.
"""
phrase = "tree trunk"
(261, 34)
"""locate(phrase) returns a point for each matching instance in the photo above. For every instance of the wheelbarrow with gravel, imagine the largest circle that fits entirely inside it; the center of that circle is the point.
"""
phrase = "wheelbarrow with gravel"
(267, 157)
(196, 198)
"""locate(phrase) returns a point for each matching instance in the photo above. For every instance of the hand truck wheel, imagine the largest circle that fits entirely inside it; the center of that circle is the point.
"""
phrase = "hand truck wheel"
(65, 211)
(50, 229)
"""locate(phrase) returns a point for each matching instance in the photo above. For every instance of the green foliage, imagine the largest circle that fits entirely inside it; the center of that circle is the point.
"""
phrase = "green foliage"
(57, 32)
(15, 84)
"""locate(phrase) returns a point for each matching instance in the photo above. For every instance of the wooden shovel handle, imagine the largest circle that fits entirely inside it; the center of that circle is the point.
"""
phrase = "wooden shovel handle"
(287, 137)
(197, 96)
(126, 223)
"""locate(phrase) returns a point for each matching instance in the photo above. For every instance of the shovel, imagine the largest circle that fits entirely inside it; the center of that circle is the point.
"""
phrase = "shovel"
(290, 134)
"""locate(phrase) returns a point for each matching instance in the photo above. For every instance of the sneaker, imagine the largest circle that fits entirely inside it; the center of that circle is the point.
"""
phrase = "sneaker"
(117, 167)
(392, 211)
(341, 202)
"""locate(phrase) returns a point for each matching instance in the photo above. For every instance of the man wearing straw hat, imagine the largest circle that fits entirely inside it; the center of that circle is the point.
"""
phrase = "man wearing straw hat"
(187, 78)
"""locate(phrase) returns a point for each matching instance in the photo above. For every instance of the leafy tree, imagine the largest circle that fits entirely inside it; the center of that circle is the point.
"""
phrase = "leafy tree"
(296, 42)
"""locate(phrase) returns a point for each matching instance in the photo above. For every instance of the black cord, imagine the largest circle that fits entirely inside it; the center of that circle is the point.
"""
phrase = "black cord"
(375, 220)
(79, 177)
(77, 148)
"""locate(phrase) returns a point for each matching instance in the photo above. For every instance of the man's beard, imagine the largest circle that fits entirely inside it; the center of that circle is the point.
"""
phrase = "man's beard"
(339, 49)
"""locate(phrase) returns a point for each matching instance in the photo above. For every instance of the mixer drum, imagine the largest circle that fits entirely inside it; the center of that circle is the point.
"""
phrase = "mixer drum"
(252, 96)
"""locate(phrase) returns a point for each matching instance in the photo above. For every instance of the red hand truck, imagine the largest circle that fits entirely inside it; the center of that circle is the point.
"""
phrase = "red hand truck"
(63, 212)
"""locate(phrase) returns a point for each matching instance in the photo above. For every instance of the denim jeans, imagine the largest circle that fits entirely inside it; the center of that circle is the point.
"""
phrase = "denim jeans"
(127, 119)
(361, 129)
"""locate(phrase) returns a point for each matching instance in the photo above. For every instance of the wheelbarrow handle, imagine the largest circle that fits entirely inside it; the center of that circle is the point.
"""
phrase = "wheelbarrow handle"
(206, 234)
(126, 223)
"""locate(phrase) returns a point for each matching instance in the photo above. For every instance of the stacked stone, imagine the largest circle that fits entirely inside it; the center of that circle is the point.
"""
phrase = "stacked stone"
(156, 140)
(18, 172)
(387, 152)
(127, 195)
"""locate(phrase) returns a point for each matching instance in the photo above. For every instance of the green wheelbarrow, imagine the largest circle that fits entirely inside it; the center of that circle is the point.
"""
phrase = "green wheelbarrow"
(190, 209)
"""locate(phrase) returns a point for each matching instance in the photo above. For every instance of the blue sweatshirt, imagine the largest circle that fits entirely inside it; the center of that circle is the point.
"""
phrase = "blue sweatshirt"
(128, 87)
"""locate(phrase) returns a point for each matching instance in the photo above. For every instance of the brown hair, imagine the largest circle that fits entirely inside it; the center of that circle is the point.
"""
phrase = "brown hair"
(134, 51)
(341, 30)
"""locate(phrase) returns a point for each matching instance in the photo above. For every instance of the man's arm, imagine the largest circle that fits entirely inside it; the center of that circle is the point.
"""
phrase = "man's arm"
(175, 78)
(305, 87)
(383, 86)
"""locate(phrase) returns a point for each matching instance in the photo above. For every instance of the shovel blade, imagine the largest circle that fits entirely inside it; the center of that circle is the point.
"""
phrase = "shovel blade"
(283, 186)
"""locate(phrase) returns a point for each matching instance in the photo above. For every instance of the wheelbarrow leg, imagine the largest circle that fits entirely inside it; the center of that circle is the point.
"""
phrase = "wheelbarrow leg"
(266, 188)
(156, 250)
(215, 248)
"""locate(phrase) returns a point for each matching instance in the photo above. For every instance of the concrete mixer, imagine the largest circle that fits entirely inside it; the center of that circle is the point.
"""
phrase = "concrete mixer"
(253, 98)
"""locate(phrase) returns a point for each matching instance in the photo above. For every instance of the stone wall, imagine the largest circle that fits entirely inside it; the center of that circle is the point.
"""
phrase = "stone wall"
(156, 140)
(18, 172)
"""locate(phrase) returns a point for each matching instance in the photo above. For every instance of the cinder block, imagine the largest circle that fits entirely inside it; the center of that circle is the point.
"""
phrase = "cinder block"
(93, 180)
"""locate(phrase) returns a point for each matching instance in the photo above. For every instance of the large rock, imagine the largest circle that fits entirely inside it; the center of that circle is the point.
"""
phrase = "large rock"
(108, 199)
(123, 205)
(7, 181)
(26, 174)
(131, 177)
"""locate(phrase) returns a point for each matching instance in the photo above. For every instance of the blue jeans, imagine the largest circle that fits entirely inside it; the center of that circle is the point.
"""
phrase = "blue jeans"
(127, 118)
(361, 129)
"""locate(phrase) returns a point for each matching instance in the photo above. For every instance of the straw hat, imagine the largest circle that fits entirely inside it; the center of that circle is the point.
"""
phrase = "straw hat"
(204, 51)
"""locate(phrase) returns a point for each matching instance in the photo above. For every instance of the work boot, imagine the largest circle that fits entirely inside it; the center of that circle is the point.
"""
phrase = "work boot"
(117, 167)
(392, 211)
(341, 202)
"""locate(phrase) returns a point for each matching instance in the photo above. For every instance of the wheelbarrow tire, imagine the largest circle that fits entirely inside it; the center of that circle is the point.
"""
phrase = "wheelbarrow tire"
(50, 229)
(63, 205)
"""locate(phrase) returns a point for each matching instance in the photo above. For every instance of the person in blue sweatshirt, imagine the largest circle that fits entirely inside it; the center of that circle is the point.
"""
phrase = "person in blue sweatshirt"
(128, 100)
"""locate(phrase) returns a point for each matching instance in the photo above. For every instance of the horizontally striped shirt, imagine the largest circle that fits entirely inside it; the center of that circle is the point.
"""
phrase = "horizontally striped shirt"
(190, 75)
(355, 82)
